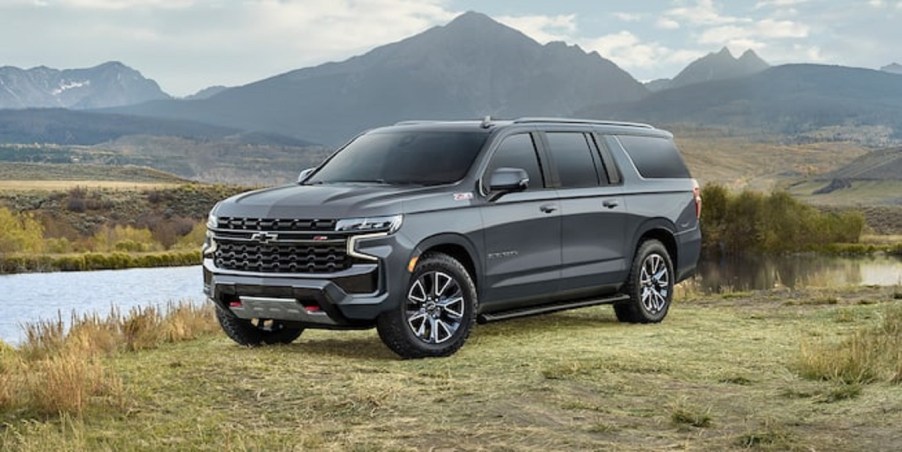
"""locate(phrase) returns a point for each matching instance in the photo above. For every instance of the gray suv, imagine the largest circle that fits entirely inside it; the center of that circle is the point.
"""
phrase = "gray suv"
(424, 228)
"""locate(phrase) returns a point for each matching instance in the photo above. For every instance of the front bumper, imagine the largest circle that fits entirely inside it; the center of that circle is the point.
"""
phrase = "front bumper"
(353, 297)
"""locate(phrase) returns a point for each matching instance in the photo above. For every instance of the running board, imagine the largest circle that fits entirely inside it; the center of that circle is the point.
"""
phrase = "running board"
(547, 308)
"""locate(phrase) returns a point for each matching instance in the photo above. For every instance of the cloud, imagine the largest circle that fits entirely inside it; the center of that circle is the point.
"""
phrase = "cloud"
(628, 17)
(116, 4)
(629, 52)
(753, 34)
(703, 12)
(543, 29)
(778, 3)
(667, 24)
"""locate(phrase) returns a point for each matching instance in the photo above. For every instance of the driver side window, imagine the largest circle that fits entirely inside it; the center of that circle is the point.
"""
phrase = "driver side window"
(517, 151)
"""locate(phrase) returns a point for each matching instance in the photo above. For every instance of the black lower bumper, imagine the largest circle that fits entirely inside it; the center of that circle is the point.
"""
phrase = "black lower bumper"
(310, 301)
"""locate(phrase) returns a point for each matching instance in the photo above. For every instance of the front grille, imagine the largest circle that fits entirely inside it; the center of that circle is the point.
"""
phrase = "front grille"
(275, 224)
(282, 258)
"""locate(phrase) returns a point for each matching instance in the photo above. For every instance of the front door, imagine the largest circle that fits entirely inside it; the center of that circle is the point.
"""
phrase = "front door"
(522, 232)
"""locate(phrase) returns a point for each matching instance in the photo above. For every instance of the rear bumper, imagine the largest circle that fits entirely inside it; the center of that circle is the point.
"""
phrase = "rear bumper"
(689, 245)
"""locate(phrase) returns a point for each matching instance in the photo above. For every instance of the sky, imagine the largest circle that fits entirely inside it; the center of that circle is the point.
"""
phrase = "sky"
(186, 45)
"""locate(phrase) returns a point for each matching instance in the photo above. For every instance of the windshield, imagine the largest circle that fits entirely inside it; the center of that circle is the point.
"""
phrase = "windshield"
(403, 158)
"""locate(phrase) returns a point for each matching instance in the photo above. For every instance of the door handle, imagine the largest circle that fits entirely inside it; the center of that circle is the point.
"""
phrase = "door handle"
(548, 208)
(610, 204)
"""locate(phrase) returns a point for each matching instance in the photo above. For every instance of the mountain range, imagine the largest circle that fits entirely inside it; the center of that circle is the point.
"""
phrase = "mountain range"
(468, 68)
(893, 68)
(713, 66)
(471, 67)
(110, 84)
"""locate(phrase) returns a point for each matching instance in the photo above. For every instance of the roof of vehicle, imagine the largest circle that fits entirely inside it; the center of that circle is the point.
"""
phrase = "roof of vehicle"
(488, 125)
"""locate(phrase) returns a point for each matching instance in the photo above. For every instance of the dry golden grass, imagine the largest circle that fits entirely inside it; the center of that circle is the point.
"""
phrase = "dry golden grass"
(57, 371)
(718, 374)
(60, 185)
(869, 354)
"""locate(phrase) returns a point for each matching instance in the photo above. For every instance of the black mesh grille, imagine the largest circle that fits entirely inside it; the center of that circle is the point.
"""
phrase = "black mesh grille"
(273, 224)
(282, 258)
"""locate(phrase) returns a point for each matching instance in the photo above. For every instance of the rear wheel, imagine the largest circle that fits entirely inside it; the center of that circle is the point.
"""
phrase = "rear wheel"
(438, 310)
(650, 285)
(252, 333)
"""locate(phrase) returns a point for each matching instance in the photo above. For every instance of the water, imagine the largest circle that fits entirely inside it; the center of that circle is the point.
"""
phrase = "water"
(30, 297)
(758, 273)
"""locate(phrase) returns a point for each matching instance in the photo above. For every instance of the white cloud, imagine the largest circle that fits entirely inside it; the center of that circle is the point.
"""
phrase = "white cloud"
(629, 52)
(877, 3)
(628, 17)
(703, 12)
(778, 3)
(117, 4)
(667, 24)
(543, 28)
(754, 33)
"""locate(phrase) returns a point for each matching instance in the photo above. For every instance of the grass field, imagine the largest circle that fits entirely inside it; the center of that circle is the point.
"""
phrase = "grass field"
(720, 373)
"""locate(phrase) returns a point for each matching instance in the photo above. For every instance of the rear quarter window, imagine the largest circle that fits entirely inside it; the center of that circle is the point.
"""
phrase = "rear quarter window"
(655, 158)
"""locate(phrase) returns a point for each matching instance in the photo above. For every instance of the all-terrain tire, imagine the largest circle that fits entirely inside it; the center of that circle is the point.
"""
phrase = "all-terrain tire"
(650, 285)
(246, 333)
(397, 326)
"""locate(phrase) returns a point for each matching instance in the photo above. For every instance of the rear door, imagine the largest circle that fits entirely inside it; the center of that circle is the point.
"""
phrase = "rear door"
(593, 212)
(522, 231)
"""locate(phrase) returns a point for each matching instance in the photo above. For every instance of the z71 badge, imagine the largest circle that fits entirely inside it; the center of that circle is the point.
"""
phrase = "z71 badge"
(463, 196)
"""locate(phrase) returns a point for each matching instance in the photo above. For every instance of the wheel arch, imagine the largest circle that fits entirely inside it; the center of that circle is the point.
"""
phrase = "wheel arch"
(457, 246)
(659, 229)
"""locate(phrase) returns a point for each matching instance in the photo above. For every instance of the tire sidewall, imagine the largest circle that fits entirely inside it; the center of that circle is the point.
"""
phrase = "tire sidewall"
(648, 249)
(450, 266)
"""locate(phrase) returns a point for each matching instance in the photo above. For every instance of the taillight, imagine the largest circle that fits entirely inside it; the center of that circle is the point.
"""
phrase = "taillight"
(697, 194)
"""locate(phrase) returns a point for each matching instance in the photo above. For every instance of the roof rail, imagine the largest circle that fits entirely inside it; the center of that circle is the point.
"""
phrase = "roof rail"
(583, 121)
(415, 122)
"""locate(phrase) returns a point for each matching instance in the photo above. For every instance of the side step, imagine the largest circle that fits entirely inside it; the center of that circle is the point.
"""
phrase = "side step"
(547, 308)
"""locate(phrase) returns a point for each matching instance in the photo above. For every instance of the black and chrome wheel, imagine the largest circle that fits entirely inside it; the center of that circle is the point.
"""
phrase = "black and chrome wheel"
(252, 333)
(650, 285)
(435, 317)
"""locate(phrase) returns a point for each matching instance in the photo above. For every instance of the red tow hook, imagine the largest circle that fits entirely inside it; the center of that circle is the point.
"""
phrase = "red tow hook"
(235, 304)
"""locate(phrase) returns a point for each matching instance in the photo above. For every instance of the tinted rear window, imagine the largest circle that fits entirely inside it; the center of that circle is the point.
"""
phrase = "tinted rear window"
(655, 158)
(422, 158)
(573, 158)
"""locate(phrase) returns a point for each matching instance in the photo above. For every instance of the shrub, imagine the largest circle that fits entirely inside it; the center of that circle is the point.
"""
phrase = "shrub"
(777, 222)
(20, 233)
(123, 238)
(194, 239)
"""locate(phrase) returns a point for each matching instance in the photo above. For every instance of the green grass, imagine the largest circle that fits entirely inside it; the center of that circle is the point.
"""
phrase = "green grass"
(97, 261)
(716, 375)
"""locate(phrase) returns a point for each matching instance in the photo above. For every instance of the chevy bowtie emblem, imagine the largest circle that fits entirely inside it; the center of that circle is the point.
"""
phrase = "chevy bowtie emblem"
(319, 238)
(265, 237)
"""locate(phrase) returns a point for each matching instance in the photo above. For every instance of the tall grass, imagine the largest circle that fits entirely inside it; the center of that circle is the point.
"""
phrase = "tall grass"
(751, 221)
(868, 355)
(66, 371)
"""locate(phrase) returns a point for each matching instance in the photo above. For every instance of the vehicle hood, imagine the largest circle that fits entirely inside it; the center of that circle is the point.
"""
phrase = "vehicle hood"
(330, 201)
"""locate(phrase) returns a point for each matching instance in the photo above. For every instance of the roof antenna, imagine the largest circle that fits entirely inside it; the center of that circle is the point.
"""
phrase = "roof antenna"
(486, 122)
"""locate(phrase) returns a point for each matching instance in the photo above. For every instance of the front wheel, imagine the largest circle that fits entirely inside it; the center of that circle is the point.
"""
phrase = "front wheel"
(650, 285)
(252, 333)
(437, 312)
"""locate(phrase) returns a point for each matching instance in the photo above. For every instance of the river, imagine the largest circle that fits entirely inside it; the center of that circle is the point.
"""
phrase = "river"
(34, 296)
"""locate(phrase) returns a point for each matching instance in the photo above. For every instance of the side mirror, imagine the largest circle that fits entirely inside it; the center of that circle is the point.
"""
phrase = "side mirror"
(504, 180)
(305, 174)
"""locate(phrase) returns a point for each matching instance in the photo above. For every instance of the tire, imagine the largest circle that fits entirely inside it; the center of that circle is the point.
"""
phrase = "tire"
(258, 332)
(438, 310)
(650, 285)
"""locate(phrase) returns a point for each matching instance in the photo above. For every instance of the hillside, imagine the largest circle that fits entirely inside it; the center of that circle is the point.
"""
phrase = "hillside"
(110, 84)
(469, 68)
(885, 164)
(791, 99)
(714, 66)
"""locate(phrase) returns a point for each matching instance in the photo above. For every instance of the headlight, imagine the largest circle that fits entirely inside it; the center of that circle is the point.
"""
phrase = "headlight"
(212, 221)
(388, 224)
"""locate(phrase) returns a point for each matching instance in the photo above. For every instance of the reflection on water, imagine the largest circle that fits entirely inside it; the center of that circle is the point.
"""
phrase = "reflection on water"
(28, 298)
(757, 273)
